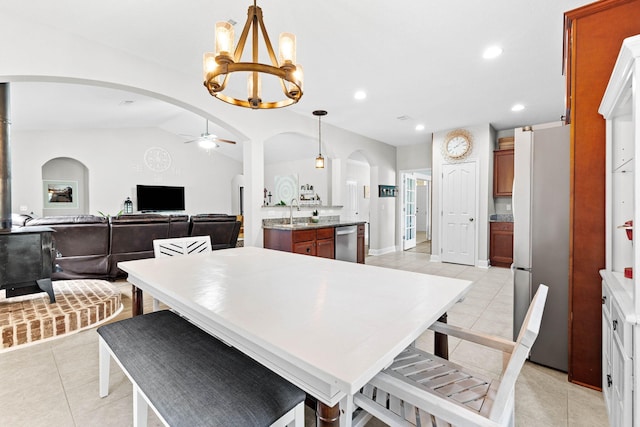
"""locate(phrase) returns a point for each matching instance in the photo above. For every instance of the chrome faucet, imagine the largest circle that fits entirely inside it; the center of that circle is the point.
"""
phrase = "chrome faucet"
(291, 209)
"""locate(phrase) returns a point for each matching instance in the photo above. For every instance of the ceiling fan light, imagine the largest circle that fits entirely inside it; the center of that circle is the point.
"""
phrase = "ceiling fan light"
(207, 144)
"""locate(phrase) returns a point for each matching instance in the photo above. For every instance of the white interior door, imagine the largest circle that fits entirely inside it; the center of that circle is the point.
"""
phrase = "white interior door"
(351, 208)
(459, 213)
(409, 237)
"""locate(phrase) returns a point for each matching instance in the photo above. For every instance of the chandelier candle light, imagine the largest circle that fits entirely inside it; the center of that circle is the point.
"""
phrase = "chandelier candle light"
(319, 159)
(218, 66)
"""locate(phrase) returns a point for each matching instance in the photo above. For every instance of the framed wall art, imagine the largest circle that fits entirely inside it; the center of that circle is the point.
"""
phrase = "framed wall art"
(387, 191)
(60, 194)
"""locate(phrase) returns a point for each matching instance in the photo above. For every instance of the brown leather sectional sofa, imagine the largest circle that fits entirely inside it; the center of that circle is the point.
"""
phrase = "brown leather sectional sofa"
(91, 246)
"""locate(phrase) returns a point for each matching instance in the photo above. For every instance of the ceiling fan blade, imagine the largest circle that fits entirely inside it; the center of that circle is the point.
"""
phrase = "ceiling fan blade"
(224, 140)
(193, 140)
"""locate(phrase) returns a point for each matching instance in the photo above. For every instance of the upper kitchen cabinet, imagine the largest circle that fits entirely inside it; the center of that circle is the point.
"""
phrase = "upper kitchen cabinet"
(593, 36)
(620, 294)
(502, 173)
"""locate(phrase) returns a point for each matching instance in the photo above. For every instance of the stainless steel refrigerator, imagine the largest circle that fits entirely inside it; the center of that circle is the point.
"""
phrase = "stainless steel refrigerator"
(541, 236)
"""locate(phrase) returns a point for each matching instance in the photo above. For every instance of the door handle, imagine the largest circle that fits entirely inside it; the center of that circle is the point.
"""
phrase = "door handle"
(470, 219)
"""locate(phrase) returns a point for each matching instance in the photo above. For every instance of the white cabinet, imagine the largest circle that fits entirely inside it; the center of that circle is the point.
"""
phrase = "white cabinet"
(621, 295)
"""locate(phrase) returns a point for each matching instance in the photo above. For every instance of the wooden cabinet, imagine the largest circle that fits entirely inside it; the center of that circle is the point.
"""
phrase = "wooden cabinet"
(361, 255)
(501, 244)
(314, 241)
(311, 241)
(325, 243)
(620, 297)
(594, 34)
(502, 173)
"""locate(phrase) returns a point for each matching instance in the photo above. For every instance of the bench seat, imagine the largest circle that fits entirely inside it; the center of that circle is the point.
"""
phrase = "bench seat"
(191, 378)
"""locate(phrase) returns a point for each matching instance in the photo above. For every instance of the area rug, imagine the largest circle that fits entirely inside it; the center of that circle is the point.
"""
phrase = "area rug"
(80, 304)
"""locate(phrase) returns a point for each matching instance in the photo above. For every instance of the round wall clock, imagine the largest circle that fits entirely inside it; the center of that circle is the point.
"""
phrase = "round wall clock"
(157, 159)
(457, 144)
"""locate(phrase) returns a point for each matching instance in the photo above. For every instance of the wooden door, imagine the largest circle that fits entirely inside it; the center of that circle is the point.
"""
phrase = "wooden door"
(459, 213)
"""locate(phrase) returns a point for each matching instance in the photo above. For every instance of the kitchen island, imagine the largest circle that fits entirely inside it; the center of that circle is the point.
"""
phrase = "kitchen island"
(315, 239)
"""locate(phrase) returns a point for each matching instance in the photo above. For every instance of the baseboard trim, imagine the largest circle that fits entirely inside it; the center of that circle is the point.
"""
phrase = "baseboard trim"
(382, 251)
(483, 263)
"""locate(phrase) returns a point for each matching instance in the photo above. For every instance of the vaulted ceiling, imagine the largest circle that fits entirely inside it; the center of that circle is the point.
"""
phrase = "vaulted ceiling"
(420, 62)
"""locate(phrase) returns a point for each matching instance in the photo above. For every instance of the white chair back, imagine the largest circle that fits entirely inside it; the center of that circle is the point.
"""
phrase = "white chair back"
(181, 246)
(526, 339)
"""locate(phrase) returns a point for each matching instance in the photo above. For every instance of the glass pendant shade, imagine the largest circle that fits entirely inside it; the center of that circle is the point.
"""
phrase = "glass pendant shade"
(209, 65)
(287, 49)
(224, 39)
(319, 162)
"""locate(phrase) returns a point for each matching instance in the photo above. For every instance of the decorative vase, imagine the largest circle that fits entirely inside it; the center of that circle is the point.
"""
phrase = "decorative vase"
(315, 218)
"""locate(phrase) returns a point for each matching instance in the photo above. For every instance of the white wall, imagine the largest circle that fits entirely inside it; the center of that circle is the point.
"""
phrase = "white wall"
(482, 154)
(415, 157)
(115, 164)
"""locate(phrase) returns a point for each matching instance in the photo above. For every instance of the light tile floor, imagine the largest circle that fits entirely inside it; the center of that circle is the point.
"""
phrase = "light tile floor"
(56, 383)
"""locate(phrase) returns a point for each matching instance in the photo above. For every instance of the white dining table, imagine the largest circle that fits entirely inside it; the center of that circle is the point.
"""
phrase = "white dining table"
(327, 326)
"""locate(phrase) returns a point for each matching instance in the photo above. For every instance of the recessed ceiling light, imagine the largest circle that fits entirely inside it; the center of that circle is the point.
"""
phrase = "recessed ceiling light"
(360, 95)
(492, 52)
(419, 127)
(517, 107)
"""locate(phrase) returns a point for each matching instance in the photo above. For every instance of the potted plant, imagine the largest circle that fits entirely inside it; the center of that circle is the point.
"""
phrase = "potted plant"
(314, 216)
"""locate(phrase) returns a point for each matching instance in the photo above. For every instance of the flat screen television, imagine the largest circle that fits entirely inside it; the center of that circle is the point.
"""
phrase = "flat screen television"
(159, 198)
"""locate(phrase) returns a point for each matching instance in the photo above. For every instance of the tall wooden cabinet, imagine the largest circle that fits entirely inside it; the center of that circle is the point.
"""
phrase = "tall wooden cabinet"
(594, 34)
(620, 287)
(503, 173)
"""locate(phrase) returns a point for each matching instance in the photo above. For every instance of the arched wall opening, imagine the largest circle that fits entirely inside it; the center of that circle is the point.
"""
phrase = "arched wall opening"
(65, 187)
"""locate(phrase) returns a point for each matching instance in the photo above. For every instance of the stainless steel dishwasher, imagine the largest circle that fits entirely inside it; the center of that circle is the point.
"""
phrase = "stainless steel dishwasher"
(346, 243)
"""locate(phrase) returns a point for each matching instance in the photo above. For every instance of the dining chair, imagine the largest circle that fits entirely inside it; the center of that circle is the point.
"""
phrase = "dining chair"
(179, 246)
(420, 389)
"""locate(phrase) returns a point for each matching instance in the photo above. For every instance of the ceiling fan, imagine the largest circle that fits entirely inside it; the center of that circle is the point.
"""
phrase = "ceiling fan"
(208, 140)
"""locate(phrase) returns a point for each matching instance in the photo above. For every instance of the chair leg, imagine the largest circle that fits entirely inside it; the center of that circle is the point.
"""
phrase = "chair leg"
(104, 361)
(140, 408)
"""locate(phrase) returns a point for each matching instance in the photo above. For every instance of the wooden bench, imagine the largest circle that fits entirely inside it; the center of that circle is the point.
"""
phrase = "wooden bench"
(189, 378)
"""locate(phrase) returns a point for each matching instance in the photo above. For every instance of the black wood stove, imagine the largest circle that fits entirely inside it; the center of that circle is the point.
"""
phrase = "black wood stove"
(26, 261)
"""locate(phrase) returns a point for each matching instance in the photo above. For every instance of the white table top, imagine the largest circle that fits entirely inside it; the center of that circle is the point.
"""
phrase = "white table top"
(327, 326)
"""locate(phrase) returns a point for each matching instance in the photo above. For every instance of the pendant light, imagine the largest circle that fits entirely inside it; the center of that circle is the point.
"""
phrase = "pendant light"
(226, 60)
(319, 159)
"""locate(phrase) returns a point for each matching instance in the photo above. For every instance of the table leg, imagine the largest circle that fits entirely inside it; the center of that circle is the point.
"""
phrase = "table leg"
(441, 341)
(136, 301)
(327, 416)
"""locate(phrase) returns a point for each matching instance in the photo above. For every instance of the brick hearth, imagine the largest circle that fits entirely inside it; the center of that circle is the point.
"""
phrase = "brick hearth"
(80, 304)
